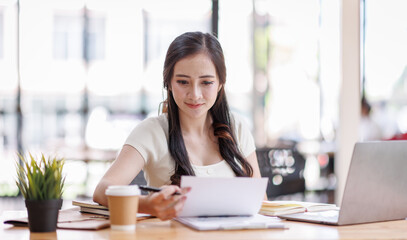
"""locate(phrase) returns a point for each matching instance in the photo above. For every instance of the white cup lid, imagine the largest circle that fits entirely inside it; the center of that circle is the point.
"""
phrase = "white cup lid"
(123, 190)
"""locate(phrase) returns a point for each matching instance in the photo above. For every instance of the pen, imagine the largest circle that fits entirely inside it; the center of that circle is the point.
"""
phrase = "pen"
(153, 189)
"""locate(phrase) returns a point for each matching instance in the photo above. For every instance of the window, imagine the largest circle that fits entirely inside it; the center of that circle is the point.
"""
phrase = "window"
(96, 38)
(163, 21)
(1, 33)
(91, 69)
(294, 56)
(237, 44)
(8, 96)
(385, 70)
(68, 36)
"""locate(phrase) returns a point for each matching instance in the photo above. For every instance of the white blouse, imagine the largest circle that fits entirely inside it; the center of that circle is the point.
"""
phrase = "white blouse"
(150, 138)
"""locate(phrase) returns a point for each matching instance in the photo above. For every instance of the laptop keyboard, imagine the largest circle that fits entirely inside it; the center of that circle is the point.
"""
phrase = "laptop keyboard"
(326, 216)
(222, 218)
(330, 216)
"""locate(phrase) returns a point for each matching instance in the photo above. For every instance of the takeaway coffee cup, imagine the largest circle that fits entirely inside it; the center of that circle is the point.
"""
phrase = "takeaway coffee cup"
(123, 206)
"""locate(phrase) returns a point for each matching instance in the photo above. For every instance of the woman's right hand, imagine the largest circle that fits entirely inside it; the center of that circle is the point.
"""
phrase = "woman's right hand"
(165, 204)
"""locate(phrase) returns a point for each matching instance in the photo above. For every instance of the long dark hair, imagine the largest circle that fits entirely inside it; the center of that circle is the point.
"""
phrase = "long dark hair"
(189, 44)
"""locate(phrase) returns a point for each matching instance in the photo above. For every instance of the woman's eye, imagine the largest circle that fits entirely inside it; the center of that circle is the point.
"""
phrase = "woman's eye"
(208, 82)
(182, 82)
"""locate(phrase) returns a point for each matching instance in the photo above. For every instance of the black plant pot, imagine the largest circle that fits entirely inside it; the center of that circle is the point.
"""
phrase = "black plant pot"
(43, 214)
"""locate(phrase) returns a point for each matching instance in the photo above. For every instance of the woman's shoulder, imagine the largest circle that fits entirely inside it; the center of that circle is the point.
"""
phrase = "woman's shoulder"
(152, 126)
(154, 122)
(150, 138)
(239, 121)
(150, 130)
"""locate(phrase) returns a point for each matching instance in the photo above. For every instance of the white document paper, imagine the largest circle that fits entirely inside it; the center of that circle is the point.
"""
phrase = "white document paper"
(239, 196)
(232, 223)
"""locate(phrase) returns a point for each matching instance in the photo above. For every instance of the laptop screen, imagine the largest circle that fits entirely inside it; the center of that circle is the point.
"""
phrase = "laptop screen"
(376, 185)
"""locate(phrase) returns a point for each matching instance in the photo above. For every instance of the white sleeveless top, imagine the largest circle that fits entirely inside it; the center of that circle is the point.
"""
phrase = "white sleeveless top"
(150, 138)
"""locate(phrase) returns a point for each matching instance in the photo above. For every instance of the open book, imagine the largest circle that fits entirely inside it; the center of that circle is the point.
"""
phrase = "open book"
(276, 208)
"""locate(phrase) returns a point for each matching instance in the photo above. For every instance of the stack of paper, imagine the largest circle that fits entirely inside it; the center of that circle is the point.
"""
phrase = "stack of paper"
(218, 204)
(256, 221)
(276, 208)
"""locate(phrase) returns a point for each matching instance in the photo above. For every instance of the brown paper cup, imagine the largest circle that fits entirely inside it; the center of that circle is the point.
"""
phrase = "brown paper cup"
(123, 207)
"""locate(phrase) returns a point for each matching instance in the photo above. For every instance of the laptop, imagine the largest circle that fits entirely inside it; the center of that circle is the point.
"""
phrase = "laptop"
(375, 190)
(216, 203)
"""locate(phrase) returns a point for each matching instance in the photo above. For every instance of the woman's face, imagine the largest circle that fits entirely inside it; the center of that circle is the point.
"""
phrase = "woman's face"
(195, 85)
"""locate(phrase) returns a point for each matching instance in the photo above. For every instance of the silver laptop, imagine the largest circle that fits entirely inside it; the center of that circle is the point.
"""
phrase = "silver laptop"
(375, 190)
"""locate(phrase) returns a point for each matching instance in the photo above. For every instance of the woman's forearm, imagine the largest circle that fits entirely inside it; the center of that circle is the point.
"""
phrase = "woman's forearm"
(99, 195)
(143, 206)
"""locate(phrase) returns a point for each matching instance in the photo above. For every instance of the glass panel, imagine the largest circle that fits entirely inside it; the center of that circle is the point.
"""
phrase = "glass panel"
(288, 67)
(163, 21)
(67, 34)
(1, 33)
(296, 80)
(8, 96)
(90, 70)
(8, 48)
(96, 37)
(295, 64)
(53, 73)
(386, 68)
(237, 44)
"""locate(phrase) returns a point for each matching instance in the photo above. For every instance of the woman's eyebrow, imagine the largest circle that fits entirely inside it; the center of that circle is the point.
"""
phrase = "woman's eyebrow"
(207, 76)
(182, 75)
(186, 76)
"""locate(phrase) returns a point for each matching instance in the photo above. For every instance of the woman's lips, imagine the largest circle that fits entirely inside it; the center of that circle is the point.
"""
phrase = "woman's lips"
(193, 106)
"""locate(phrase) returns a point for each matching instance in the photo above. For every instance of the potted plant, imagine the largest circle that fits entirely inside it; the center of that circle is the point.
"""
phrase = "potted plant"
(41, 184)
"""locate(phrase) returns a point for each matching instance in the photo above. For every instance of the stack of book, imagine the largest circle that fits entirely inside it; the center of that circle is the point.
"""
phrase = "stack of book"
(91, 207)
(276, 208)
(96, 208)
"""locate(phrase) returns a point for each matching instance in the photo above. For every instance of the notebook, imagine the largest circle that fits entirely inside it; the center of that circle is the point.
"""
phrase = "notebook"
(225, 203)
(71, 219)
(375, 188)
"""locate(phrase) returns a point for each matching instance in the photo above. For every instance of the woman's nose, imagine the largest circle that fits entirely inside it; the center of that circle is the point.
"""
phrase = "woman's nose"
(195, 92)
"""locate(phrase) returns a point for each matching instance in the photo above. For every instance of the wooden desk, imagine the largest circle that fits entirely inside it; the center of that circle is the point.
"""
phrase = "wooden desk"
(156, 229)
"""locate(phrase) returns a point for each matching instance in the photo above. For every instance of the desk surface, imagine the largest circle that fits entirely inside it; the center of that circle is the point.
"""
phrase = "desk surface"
(156, 229)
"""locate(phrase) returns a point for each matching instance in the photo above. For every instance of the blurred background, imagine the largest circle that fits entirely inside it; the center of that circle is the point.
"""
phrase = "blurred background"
(76, 76)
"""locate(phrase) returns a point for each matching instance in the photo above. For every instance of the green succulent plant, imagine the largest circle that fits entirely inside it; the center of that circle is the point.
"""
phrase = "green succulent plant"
(42, 179)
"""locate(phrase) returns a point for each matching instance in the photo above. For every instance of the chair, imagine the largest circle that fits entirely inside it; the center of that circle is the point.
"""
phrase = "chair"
(284, 166)
(140, 180)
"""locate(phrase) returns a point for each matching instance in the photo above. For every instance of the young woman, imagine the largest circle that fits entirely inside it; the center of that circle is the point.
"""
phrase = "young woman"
(196, 135)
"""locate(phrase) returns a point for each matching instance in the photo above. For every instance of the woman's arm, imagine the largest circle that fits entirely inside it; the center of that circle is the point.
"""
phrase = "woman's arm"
(124, 169)
(252, 159)
(164, 204)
